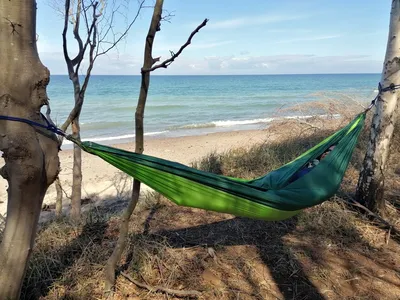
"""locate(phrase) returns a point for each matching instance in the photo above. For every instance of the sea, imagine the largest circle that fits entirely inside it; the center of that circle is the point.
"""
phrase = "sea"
(196, 105)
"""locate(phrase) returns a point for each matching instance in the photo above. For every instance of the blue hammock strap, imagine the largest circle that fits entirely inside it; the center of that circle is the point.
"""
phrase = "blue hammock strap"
(392, 87)
(49, 126)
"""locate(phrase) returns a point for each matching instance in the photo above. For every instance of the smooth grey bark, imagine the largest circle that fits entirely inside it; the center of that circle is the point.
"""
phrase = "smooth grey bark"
(370, 188)
(31, 154)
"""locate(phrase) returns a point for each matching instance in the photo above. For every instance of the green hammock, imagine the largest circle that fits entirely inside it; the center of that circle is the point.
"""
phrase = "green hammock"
(271, 197)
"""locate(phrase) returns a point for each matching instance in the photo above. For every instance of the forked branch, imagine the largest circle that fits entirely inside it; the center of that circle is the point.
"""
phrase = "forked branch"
(170, 60)
(123, 34)
(93, 43)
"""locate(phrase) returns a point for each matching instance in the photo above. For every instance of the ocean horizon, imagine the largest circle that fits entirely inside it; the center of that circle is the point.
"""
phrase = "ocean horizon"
(182, 105)
(216, 75)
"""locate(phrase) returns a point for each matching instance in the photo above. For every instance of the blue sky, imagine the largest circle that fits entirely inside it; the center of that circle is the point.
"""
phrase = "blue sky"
(242, 37)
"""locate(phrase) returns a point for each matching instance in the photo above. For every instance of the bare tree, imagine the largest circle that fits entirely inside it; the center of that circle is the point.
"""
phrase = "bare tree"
(370, 187)
(31, 154)
(59, 197)
(95, 39)
(148, 67)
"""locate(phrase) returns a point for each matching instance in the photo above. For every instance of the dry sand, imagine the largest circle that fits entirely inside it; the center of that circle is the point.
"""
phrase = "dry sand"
(100, 179)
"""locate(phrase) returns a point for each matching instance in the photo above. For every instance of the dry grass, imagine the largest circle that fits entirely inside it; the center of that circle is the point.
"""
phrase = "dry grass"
(259, 159)
(62, 251)
(328, 252)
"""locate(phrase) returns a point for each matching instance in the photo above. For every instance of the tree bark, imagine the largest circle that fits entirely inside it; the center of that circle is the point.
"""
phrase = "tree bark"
(76, 194)
(59, 198)
(145, 82)
(370, 188)
(73, 66)
(31, 155)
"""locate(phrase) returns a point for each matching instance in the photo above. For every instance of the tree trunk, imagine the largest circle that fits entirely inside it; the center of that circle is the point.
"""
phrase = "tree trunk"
(59, 198)
(124, 226)
(31, 155)
(77, 175)
(370, 189)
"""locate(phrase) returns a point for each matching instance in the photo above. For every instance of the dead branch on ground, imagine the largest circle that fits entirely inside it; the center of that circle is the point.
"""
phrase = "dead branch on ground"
(158, 288)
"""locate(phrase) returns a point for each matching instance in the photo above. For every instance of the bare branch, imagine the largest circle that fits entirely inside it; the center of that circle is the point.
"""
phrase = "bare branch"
(64, 37)
(93, 42)
(158, 288)
(92, 34)
(167, 62)
(126, 31)
(110, 27)
(115, 257)
(92, 28)
(92, 58)
(355, 203)
(85, 9)
(80, 54)
(168, 16)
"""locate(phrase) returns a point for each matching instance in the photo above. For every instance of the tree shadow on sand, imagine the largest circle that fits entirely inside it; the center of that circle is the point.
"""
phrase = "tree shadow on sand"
(322, 254)
(267, 237)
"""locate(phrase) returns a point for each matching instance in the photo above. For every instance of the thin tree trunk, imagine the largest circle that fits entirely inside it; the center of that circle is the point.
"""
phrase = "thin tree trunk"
(76, 194)
(370, 189)
(124, 227)
(31, 156)
(59, 198)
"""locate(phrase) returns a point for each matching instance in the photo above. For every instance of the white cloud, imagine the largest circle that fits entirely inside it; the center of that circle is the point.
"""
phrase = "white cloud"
(289, 30)
(284, 64)
(206, 45)
(253, 20)
(44, 45)
(113, 64)
(309, 38)
(194, 45)
(281, 64)
(125, 64)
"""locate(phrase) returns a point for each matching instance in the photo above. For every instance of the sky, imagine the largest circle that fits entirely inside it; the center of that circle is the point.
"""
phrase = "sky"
(241, 37)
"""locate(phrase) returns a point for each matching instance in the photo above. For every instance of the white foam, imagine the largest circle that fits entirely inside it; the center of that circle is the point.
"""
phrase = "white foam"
(213, 124)
(119, 137)
(229, 123)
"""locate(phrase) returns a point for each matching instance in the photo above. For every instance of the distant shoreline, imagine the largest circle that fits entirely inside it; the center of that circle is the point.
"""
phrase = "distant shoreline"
(197, 105)
(201, 131)
(277, 74)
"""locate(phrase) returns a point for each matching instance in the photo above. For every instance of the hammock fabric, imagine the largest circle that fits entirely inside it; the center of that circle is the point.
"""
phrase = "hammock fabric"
(271, 197)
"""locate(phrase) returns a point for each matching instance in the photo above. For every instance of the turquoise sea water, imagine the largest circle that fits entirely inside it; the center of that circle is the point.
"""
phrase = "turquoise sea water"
(191, 105)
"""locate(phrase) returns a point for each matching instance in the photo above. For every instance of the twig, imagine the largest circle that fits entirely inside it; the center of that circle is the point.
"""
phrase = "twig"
(115, 42)
(303, 122)
(353, 202)
(388, 236)
(157, 288)
(167, 62)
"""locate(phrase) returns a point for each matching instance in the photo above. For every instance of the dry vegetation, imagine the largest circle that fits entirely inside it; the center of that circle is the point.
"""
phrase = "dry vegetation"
(328, 252)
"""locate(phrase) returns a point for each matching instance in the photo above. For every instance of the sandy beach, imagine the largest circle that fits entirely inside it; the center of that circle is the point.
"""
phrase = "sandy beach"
(102, 181)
